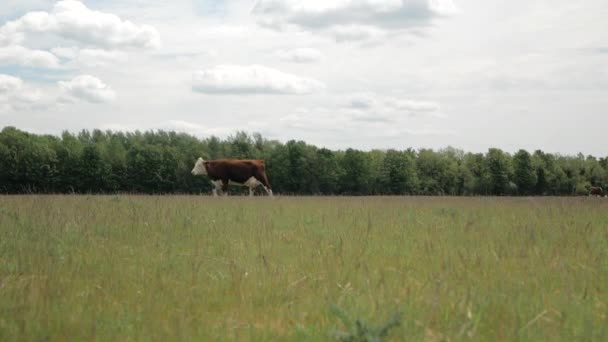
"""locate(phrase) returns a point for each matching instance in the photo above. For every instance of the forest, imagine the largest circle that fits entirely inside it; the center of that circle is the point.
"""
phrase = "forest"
(159, 162)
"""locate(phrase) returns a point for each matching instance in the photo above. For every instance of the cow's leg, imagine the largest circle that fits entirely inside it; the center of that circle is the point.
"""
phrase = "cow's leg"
(217, 186)
(251, 183)
(266, 187)
(225, 187)
(268, 191)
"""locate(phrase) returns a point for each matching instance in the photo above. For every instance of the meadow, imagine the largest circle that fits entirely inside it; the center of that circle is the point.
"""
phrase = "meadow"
(303, 268)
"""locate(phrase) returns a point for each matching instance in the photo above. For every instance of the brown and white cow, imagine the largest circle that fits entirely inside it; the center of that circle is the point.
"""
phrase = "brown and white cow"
(222, 172)
(596, 191)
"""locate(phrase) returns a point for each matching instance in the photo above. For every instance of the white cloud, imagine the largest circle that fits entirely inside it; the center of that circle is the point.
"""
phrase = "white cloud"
(118, 127)
(15, 95)
(484, 67)
(183, 126)
(300, 55)
(90, 57)
(316, 119)
(252, 79)
(373, 121)
(9, 84)
(429, 131)
(9, 36)
(88, 88)
(191, 128)
(19, 55)
(413, 107)
(11, 8)
(349, 33)
(226, 31)
(363, 101)
(72, 20)
(180, 126)
(372, 107)
(30, 98)
(364, 109)
(319, 14)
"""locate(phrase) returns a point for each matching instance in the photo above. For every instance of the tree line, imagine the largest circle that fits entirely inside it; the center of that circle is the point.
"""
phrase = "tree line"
(158, 162)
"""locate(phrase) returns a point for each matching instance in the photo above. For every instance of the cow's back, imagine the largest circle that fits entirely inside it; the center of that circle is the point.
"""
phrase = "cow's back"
(238, 171)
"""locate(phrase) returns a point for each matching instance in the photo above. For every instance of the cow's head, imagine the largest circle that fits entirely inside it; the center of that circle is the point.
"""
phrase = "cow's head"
(199, 168)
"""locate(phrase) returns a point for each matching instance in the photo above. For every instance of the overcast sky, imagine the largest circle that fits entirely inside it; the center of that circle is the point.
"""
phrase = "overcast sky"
(367, 74)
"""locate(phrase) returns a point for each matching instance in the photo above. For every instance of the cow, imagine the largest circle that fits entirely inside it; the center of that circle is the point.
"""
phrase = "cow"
(222, 172)
(596, 191)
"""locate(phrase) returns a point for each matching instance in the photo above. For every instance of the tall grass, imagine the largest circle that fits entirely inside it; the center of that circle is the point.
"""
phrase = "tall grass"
(192, 268)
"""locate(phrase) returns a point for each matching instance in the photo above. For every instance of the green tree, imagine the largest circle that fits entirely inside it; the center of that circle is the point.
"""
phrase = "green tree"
(290, 168)
(28, 162)
(475, 178)
(437, 171)
(160, 162)
(114, 155)
(524, 174)
(69, 158)
(328, 171)
(355, 179)
(398, 173)
(93, 170)
(144, 164)
(241, 145)
(498, 165)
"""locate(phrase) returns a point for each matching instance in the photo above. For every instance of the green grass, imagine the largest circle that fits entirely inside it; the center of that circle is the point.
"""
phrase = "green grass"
(237, 268)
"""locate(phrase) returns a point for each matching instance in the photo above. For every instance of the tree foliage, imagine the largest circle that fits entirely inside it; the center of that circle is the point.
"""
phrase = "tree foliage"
(524, 175)
(160, 162)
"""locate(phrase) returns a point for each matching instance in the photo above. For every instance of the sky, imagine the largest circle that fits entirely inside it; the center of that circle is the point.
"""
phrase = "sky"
(365, 74)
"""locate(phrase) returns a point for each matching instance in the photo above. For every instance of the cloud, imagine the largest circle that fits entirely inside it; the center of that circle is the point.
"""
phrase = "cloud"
(191, 128)
(367, 113)
(9, 84)
(114, 127)
(72, 20)
(413, 107)
(428, 131)
(179, 126)
(252, 79)
(322, 14)
(90, 57)
(15, 95)
(315, 119)
(183, 126)
(88, 88)
(373, 122)
(234, 31)
(362, 101)
(601, 50)
(351, 33)
(19, 55)
(372, 107)
(9, 36)
(300, 55)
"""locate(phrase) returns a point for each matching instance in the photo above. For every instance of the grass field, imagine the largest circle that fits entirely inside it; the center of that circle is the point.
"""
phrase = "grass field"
(237, 268)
